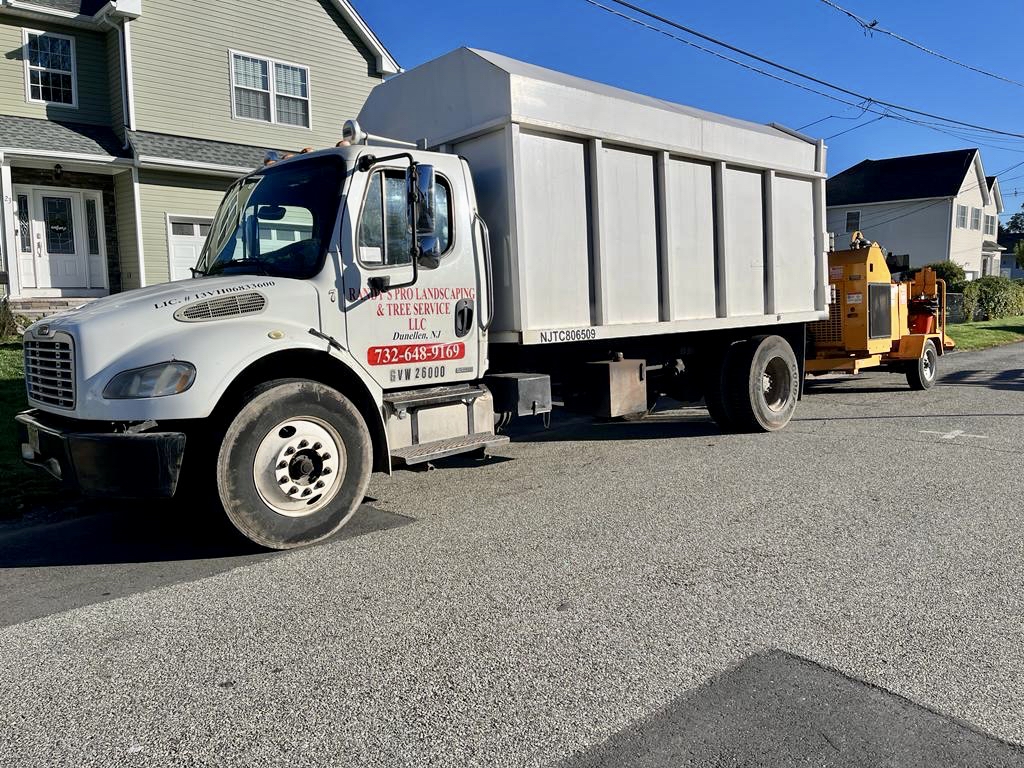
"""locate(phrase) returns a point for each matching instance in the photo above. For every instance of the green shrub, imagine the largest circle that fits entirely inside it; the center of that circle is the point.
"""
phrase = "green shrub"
(993, 298)
(8, 323)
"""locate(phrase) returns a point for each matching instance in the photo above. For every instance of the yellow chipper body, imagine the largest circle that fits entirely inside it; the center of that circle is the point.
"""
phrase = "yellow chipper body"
(876, 322)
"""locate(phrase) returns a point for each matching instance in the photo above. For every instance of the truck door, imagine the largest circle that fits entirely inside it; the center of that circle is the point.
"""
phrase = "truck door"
(410, 335)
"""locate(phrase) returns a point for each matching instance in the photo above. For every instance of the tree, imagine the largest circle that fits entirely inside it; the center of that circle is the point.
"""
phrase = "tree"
(1016, 222)
(1018, 251)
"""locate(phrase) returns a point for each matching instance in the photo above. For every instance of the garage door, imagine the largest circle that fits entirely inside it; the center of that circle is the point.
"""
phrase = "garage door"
(185, 240)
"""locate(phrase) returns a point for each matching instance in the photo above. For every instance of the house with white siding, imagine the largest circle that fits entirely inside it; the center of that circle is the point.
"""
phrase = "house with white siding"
(123, 121)
(922, 208)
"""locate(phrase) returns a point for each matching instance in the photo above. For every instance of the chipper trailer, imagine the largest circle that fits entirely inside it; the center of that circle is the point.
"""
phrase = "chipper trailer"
(875, 322)
(522, 236)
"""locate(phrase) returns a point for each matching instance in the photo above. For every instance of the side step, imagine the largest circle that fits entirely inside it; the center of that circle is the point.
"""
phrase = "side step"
(411, 399)
(439, 449)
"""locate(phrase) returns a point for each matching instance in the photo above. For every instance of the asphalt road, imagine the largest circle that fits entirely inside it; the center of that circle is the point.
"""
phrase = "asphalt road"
(846, 592)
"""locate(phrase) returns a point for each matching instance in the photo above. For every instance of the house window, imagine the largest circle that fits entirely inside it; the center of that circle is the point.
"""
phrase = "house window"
(92, 227)
(24, 228)
(270, 91)
(990, 225)
(852, 221)
(975, 218)
(50, 68)
(961, 217)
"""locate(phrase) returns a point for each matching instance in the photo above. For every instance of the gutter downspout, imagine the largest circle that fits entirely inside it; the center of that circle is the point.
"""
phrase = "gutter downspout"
(122, 59)
(137, 204)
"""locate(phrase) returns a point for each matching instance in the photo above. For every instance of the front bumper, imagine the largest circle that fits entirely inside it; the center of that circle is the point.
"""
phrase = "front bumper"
(97, 463)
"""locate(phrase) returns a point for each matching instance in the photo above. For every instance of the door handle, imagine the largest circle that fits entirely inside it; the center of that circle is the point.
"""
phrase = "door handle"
(463, 317)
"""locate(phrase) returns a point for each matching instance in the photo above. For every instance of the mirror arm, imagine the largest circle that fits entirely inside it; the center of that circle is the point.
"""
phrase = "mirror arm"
(366, 162)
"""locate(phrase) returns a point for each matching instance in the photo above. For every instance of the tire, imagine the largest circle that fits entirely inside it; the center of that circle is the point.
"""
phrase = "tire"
(714, 385)
(922, 374)
(762, 384)
(294, 464)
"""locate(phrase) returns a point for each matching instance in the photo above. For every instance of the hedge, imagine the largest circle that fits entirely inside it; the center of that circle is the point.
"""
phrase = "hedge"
(992, 298)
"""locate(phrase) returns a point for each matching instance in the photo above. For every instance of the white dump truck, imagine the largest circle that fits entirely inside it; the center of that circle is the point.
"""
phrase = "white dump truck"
(521, 235)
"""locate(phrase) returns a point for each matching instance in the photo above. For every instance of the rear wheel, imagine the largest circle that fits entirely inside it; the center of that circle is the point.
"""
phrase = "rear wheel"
(763, 383)
(922, 374)
(715, 383)
(294, 464)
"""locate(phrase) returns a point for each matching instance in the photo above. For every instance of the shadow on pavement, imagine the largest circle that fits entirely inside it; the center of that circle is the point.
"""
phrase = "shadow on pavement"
(128, 548)
(1011, 380)
(673, 422)
(776, 709)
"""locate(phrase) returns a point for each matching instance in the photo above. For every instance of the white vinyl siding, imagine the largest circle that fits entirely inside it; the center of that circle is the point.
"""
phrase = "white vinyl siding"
(961, 217)
(312, 34)
(50, 76)
(975, 218)
(270, 91)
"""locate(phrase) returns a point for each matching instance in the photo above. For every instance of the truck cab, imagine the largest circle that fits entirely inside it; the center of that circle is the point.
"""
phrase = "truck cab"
(336, 323)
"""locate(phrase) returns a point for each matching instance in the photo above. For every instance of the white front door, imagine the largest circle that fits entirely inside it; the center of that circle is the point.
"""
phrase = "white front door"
(61, 243)
(185, 239)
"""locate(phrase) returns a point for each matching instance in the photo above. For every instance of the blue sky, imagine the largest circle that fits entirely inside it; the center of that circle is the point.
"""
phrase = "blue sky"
(577, 38)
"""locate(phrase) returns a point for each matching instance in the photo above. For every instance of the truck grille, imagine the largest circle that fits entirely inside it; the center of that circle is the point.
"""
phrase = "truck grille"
(50, 371)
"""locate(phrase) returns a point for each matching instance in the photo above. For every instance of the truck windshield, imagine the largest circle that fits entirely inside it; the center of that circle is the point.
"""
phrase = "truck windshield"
(278, 222)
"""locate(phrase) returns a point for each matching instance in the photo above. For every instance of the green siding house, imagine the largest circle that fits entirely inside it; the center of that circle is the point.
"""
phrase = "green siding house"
(123, 121)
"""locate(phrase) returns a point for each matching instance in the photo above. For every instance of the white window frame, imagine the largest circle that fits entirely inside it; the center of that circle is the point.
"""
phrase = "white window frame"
(29, 68)
(976, 219)
(272, 83)
(963, 208)
(990, 225)
(846, 223)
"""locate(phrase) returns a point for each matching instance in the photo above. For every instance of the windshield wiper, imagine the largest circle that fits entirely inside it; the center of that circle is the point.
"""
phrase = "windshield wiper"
(225, 265)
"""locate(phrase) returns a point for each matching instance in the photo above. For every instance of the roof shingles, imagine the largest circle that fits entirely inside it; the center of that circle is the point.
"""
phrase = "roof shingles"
(940, 174)
(28, 133)
(165, 146)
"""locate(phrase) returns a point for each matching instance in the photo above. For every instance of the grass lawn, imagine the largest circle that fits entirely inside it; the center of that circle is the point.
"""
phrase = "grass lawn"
(19, 485)
(987, 333)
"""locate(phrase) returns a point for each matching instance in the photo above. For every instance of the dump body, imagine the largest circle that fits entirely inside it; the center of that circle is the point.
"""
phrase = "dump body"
(614, 214)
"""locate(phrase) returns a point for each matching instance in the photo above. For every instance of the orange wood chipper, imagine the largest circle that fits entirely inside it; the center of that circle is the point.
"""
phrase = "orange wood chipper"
(875, 322)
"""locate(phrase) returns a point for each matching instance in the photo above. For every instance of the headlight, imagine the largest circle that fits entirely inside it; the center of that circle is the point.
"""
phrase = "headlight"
(157, 380)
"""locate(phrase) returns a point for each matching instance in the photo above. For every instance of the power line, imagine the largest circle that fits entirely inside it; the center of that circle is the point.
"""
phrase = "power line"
(863, 98)
(872, 26)
(854, 128)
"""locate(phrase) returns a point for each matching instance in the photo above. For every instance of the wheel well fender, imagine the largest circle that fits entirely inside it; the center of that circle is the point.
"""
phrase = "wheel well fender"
(316, 366)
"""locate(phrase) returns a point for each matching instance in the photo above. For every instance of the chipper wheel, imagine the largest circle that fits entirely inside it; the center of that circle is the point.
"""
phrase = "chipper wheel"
(922, 374)
(294, 463)
(762, 380)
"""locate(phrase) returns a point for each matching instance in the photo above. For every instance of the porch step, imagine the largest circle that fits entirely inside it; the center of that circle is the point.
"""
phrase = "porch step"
(439, 449)
(38, 308)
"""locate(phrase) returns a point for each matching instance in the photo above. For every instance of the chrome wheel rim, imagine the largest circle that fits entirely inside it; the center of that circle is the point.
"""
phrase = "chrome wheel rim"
(928, 364)
(776, 384)
(299, 466)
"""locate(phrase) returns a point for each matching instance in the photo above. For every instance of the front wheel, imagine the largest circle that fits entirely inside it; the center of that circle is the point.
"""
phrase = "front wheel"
(294, 464)
(922, 374)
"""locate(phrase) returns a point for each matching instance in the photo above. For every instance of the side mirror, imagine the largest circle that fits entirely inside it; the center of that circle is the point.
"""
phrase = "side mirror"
(421, 187)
